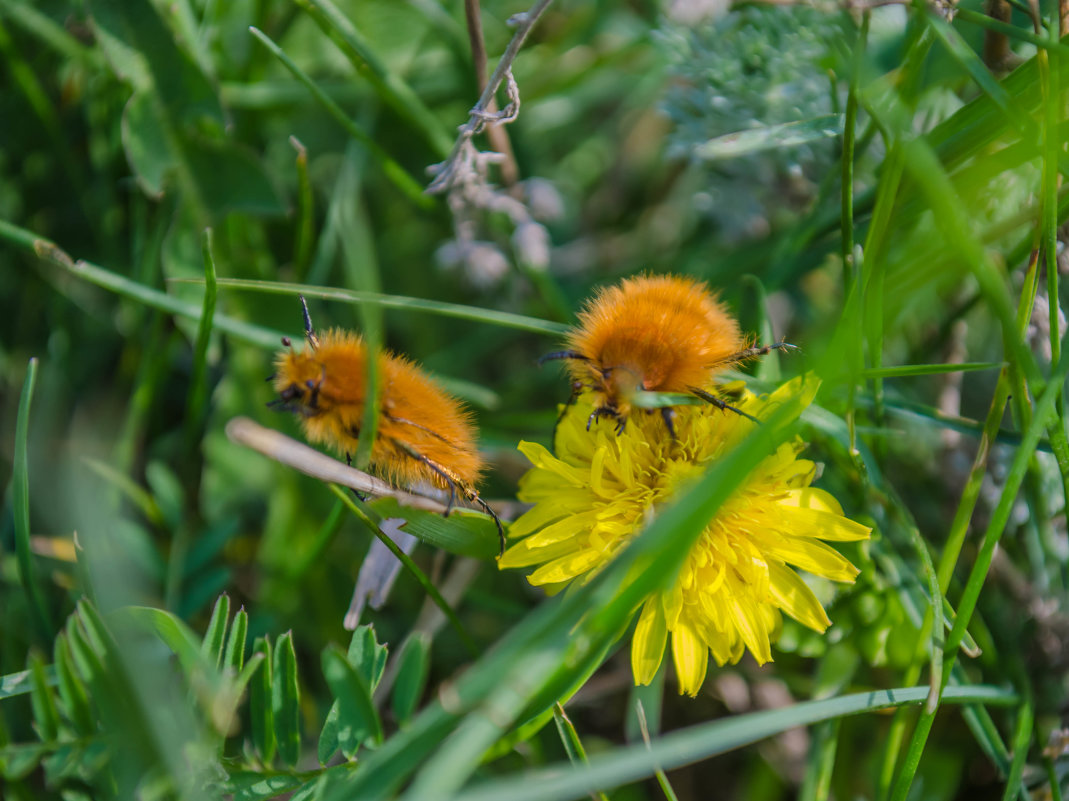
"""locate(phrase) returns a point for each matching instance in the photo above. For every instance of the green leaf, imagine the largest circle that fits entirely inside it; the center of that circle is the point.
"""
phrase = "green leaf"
(130, 489)
(366, 655)
(770, 137)
(231, 178)
(285, 700)
(255, 786)
(465, 532)
(328, 738)
(235, 644)
(212, 647)
(167, 492)
(72, 689)
(144, 141)
(19, 761)
(413, 667)
(357, 717)
(260, 705)
(175, 634)
(42, 700)
(143, 51)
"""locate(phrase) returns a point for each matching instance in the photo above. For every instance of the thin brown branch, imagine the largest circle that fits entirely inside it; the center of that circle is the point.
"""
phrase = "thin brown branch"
(496, 134)
(480, 116)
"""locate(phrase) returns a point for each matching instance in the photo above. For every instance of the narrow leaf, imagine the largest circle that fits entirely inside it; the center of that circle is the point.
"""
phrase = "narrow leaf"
(412, 670)
(42, 700)
(285, 700)
(212, 647)
(72, 689)
(260, 708)
(20, 483)
(357, 718)
(235, 644)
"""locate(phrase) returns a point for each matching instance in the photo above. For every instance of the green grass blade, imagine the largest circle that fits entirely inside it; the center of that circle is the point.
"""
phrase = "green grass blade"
(20, 490)
(491, 316)
(1022, 739)
(559, 782)
(121, 285)
(394, 171)
(197, 400)
(908, 370)
(368, 519)
(390, 86)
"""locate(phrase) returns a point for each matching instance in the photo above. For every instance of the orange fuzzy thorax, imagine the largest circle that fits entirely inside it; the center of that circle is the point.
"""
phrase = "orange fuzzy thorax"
(417, 418)
(654, 333)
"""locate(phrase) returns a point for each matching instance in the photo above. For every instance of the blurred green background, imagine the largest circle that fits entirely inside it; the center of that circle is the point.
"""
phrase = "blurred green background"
(868, 183)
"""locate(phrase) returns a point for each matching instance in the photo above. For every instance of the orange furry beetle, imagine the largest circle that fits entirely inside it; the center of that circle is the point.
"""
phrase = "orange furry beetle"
(423, 433)
(656, 334)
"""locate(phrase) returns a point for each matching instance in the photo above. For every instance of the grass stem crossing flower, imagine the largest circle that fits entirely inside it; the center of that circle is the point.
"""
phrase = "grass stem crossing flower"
(601, 488)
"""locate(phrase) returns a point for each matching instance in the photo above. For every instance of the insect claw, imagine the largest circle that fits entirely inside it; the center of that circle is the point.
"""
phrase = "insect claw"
(667, 414)
(719, 404)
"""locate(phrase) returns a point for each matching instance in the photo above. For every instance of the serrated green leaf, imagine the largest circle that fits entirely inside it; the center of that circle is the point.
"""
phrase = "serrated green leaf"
(212, 647)
(42, 700)
(413, 667)
(235, 644)
(357, 718)
(260, 707)
(285, 700)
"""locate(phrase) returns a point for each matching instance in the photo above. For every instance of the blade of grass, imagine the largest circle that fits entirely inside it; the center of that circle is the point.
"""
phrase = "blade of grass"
(388, 84)
(20, 491)
(491, 316)
(909, 370)
(394, 171)
(967, 605)
(428, 586)
(573, 746)
(1022, 739)
(121, 285)
(197, 400)
(662, 777)
(302, 247)
(560, 782)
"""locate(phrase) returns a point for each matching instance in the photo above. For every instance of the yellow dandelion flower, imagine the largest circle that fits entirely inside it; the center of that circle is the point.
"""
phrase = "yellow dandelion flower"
(601, 488)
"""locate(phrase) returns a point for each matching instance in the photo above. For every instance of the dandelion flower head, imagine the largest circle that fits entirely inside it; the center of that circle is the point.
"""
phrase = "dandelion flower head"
(601, 488)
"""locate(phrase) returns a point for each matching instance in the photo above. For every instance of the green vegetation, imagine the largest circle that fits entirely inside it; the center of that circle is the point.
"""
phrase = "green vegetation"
(880, 186)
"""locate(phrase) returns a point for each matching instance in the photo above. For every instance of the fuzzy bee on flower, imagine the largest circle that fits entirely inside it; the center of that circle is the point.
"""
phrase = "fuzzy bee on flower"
(607, 478)
(666, 334)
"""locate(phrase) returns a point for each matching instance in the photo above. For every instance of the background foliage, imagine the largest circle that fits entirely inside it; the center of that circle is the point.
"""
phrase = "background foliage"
(882, 187)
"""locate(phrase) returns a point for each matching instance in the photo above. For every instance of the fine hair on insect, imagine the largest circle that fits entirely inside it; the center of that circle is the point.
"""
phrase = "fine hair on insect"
(423, 434)
(654, 333)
